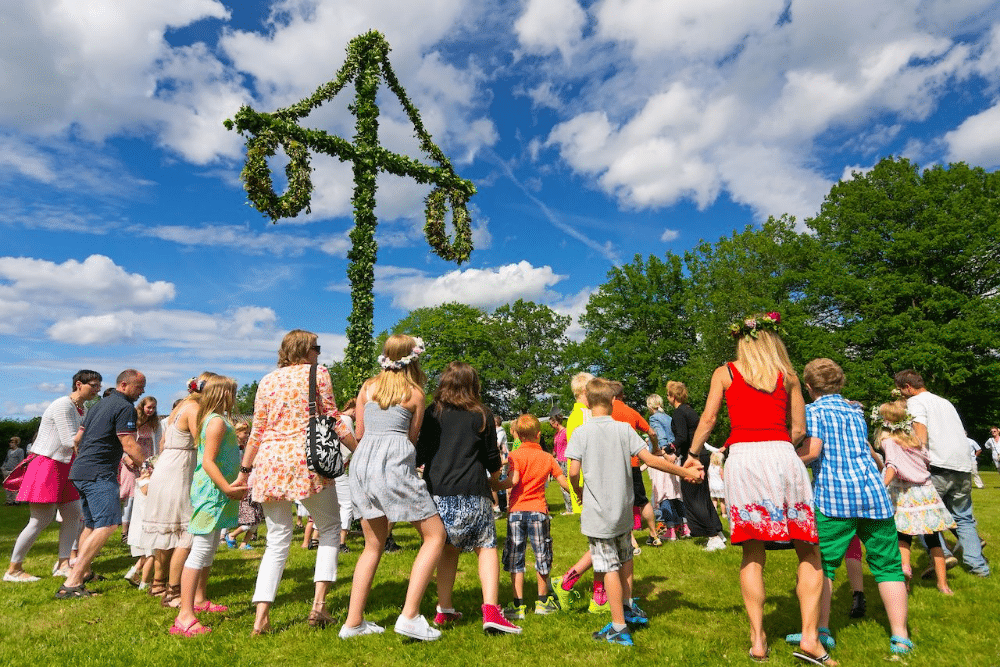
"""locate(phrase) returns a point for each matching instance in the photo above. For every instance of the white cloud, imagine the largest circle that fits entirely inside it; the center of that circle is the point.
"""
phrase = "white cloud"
(242, 239)
(687, 101)
(550, 25)
(977, 139)
(484, 288)
(97, 282)
(670, 235)
(574, 305)
(33, 409)
(53, 387)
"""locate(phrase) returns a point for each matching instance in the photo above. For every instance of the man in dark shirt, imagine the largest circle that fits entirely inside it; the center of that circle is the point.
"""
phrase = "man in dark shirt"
(108, 431)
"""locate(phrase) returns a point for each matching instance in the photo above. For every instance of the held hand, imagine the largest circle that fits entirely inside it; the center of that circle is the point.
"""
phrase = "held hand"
(694, 476)
(693, 462)
(241, 479)
(236, 491)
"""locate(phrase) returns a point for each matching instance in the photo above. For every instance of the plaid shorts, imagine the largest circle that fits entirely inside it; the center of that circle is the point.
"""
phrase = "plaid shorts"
(522, 526)
(610, 553)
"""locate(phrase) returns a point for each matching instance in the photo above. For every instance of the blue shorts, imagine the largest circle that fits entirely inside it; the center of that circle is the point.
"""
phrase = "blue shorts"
(468, 521)
(522, 527)
(101, 506)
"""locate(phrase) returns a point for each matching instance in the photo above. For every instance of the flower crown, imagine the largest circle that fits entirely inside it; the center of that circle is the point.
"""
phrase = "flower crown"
(399, 364)
(195, 385)
(751, 326)
(904, 424)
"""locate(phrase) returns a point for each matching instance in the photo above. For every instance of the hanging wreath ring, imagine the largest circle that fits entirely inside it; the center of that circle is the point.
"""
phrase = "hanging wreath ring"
(459, 248)
(256, 176)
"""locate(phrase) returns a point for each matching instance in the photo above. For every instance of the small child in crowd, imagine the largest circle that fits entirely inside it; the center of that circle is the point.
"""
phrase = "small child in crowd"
(602, 448)
(715, 484)
(849, 500)
(919, 510)
(530, 468)
(667, 503)
(251, 514)
(141, 573)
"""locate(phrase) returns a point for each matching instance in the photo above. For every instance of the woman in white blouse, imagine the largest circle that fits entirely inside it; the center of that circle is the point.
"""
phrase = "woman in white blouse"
(46, 486)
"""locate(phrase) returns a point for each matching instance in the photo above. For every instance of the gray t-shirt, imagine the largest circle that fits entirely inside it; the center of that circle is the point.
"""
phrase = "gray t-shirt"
(604, 447)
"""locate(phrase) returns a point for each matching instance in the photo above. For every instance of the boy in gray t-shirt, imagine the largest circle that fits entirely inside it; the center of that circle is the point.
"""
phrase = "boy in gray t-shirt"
(602, 449)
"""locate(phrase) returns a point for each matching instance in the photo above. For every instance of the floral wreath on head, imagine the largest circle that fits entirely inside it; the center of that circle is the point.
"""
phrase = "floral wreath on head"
(904, 424)
(195, 385)
(752, 326)
(401, 363)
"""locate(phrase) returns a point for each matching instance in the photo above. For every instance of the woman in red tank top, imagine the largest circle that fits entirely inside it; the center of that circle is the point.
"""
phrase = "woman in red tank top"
(768, 492)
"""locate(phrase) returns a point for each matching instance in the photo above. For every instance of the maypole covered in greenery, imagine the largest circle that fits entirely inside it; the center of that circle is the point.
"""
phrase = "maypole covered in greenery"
(367, 65)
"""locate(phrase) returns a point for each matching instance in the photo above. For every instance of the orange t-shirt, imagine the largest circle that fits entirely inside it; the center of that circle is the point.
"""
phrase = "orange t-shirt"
(534, 466)
(623, 413)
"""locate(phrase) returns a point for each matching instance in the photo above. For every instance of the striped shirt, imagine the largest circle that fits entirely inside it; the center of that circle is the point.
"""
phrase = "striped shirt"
(847, 482)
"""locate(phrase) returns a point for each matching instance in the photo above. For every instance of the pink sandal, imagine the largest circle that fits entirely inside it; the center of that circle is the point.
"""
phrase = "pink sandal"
(210, 606)
(188, 632)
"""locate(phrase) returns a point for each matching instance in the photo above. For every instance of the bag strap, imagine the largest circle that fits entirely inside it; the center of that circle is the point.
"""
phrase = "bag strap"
(312, 390)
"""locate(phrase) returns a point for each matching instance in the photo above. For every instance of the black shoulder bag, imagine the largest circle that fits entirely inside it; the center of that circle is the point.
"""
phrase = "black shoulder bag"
(323, 455)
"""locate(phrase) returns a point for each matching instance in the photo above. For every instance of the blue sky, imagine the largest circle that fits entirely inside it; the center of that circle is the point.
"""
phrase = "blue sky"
(593, 131)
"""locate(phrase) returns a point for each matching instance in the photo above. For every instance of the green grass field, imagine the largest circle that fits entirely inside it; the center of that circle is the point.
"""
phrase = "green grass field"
(692, 598)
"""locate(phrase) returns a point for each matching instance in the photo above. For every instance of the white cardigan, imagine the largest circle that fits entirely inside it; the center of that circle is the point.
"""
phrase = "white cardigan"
(60, 422)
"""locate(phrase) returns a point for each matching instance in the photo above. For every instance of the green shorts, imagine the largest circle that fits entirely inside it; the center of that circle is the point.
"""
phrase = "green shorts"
(878, 536)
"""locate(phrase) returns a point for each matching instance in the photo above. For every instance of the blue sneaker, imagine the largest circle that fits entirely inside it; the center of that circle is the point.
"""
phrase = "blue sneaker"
(635, 608)
(612, 636)
(633, 619)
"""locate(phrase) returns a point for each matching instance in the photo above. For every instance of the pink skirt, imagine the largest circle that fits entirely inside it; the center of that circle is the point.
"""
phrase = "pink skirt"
(47, 481)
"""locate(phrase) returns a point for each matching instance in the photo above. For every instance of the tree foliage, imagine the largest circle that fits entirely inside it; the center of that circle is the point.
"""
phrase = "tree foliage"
(637, 324)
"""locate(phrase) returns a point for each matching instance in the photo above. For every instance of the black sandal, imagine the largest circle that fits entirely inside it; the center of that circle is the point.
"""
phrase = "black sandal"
(158, 588)
(71, 592)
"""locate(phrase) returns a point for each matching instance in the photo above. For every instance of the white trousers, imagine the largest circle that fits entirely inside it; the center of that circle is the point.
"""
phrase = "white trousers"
(278, 517)
(343, 484)
(203, 548)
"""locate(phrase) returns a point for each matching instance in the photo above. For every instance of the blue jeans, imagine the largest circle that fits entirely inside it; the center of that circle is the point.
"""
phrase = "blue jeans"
(955, 489)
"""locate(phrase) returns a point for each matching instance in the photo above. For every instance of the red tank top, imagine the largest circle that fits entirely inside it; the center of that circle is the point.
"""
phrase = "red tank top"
(755, 415)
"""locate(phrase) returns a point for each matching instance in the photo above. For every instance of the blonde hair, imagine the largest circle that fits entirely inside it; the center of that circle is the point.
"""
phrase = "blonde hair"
(579, 383)
(600, 392)
(762, 359)
(528, 427)
(654, 402)
(295, 347)
(717, 458)
(393, 386)
(218, 396)
(895, 412)
(677, 391)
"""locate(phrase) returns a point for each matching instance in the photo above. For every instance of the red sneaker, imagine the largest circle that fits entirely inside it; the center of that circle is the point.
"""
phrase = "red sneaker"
(495, 623)
(443, 617)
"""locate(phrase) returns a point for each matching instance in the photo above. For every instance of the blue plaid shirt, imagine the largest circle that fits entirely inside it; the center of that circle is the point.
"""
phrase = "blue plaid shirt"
(847, 483)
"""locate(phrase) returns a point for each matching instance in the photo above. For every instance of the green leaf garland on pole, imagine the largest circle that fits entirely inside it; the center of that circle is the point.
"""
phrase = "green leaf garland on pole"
(367, 65)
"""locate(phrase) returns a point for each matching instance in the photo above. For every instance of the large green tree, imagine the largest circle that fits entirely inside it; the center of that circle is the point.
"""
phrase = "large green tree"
(528, 367)
(637, 326)
(908, 276)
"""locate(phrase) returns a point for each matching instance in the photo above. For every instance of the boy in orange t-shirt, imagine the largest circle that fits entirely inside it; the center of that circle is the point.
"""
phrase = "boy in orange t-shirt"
(528, 518)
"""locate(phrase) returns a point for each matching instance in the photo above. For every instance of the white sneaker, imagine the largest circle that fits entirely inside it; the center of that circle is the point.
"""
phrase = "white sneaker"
(365, 628)
(13, 578)
(416, 628)
(715, 543)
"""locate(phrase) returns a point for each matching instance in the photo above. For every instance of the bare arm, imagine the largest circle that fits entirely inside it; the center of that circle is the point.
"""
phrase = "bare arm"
(920, 430)
(796, 409)
(574, 477)
(359, 413)
(888, 475)
(810, 449)
(131, 447)
(215, 432)
(712, 405)
(415, 403)
(658, 462)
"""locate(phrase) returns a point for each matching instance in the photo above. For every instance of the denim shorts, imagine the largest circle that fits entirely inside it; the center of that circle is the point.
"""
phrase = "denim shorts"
(101, 505)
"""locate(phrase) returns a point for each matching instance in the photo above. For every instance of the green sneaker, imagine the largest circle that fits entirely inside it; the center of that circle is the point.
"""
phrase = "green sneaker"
(549, 606)
(595, 608)
(565, 598)
(514, 612)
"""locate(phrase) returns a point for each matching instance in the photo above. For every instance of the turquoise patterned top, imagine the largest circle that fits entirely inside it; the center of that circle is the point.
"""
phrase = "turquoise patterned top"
(213, 510)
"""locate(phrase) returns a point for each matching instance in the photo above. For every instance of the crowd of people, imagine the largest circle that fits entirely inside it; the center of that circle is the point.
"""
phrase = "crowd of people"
(200, 475)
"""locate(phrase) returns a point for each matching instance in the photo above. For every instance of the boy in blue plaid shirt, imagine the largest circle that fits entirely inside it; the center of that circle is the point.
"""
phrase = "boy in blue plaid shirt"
(850, 498)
